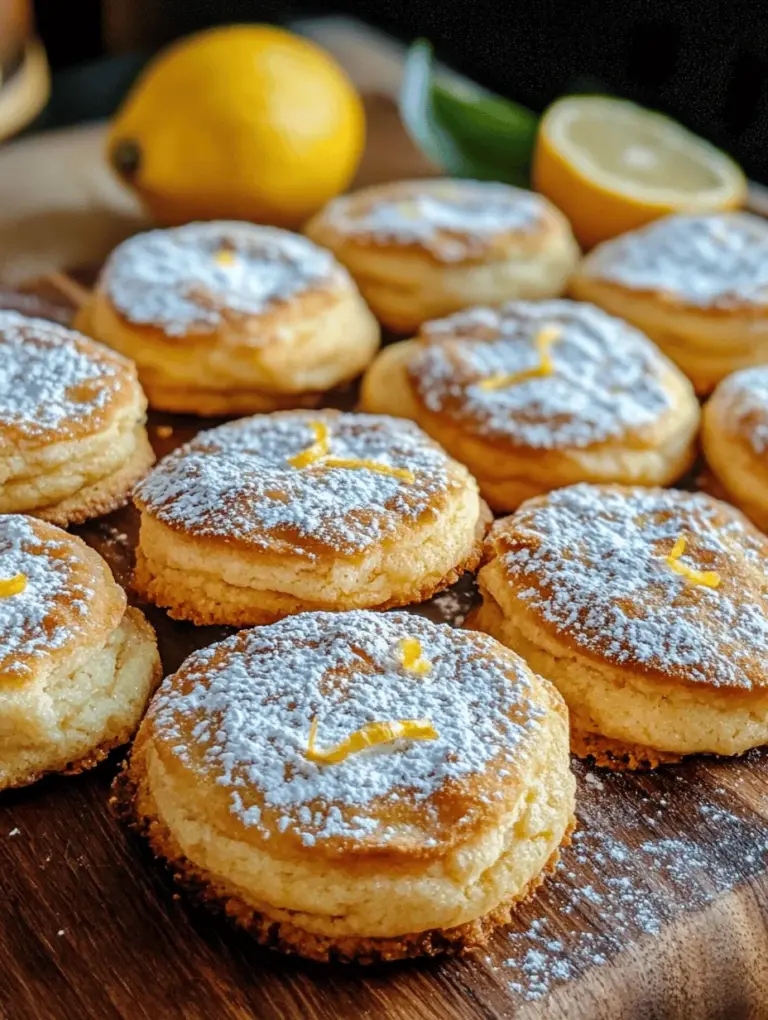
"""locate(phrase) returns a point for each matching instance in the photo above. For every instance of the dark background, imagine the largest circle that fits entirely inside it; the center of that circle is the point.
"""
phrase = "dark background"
(705, 63)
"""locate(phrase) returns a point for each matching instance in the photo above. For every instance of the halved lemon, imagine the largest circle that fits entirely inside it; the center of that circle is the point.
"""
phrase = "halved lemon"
(612, 166)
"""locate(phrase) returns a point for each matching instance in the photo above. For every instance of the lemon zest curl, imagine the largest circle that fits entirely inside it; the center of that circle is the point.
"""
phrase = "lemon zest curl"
(372, 734)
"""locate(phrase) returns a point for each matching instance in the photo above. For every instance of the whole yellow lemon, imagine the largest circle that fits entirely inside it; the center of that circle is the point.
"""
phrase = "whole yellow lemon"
(244, 122)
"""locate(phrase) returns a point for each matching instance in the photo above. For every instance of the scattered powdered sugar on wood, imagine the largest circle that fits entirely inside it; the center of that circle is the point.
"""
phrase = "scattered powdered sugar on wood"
(452, 605)
(451, 219)
(236, 481)
(52, 377)
(591, 561)
(719, 260)
(610, 890)
(179, 281)
(243, 709)
(607, 380)
(745, 394)
(29, 620)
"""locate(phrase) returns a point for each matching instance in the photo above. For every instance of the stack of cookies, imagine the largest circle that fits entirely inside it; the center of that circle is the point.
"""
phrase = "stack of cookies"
(348, 783)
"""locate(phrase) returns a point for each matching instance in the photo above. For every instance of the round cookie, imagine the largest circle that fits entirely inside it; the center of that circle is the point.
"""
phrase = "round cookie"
(355, 786)
(72, 413)
(648, 610)
(420, 249)
(231, 318)
(77, 667)
(734, 437)
(532, 396)
(697, 285)
(282, 513)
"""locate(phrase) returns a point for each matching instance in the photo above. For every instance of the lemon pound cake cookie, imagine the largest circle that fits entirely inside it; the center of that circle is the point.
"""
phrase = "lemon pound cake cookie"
(648, 609)
(231, 318)
(72, 413)
(355, 786)
(735, 440)
(535, 395)
(420, 249)
(282, 513)
(697, 285)
(77, 667)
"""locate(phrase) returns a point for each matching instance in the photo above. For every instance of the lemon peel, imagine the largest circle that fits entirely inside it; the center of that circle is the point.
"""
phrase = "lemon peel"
(318, 453)
(707, 578)
(543, 342)
(371, 465)
(13, 585)
(411, 657)
(225, 257)
(371, 735)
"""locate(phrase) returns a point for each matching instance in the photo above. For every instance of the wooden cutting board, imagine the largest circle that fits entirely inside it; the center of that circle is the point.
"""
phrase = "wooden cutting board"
(658, 910)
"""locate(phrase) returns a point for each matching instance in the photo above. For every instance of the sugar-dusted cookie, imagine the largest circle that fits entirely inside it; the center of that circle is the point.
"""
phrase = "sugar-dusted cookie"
(697, 285)
(72, 423)
(76, 666)
(535, 395)
(231, 318)
(298, 510)
(420, 249)
(647, 608)
(355, 786)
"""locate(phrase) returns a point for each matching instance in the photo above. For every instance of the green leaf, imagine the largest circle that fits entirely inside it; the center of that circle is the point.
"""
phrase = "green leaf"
(463, 128)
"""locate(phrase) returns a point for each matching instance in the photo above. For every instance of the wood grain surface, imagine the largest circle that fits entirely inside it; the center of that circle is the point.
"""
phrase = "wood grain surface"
(658, 910)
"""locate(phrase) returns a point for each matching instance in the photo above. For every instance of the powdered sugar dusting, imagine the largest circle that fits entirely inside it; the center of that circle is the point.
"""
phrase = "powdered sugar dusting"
(250, 701)
(452, 605)
(236, 482)
(174, 279)
(718, 260)
(634, 887)
(590, 560)
(451, 219)
(52, 378)
(746, 394)
(607, 380)
(28, 627)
